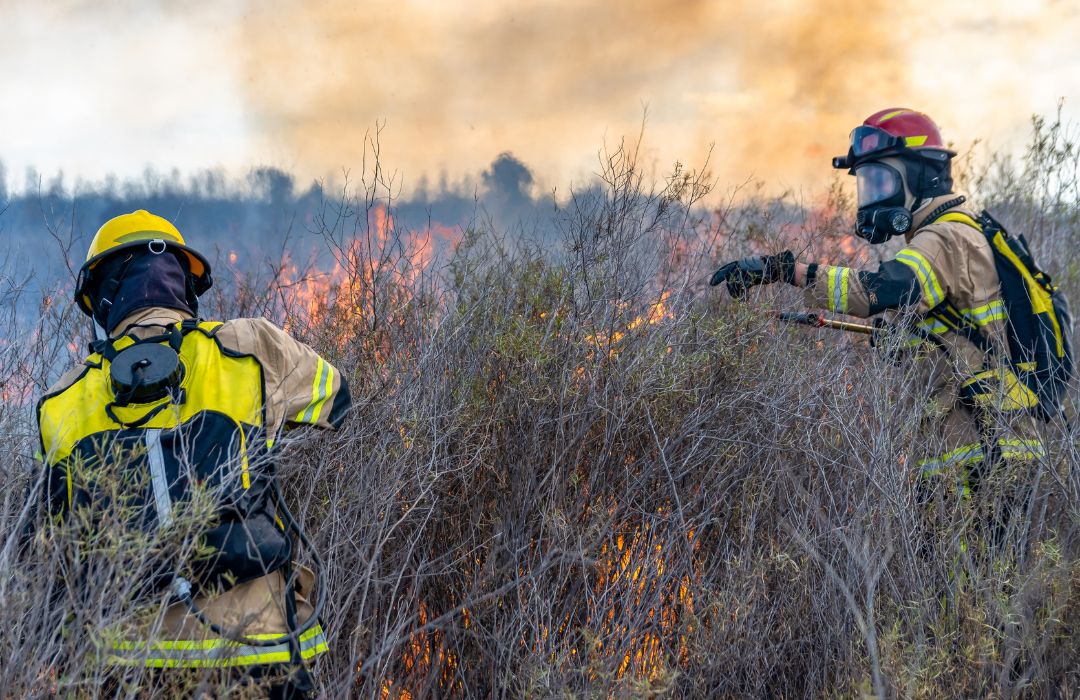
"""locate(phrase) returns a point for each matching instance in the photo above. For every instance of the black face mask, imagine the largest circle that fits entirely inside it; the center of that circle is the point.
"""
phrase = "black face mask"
(128, 283)
(878, 224)
(881, 213)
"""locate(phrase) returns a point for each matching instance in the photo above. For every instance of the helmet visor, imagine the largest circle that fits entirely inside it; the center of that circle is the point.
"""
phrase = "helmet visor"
(876, 182)
(870, 139)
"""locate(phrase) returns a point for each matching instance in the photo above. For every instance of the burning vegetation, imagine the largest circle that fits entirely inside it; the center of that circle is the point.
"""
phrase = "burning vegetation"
(572, 470)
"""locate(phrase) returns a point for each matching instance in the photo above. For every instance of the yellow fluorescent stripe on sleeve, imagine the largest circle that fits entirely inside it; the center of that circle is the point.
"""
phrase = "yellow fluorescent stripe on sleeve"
(318, 386)
(922, 269)
(933, 325)
(988, 313)
(838, 289)
(327, 387)
(315, 384)
(965, 454)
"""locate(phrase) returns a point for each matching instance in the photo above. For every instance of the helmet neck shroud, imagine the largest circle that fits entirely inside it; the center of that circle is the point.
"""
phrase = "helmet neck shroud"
(138, 279)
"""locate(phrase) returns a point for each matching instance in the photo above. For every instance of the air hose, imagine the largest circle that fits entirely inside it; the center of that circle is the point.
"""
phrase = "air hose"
(181, 589)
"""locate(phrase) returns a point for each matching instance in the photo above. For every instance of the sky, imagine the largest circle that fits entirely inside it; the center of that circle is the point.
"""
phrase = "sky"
(101, 87)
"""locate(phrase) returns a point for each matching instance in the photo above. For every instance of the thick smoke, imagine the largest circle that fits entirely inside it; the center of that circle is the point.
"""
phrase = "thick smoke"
(775, 84)
(507, 186)
(821, 69)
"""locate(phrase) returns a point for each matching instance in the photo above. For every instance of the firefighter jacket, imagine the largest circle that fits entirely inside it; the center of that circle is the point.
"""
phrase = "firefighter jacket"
(244, 382)
(945, 287)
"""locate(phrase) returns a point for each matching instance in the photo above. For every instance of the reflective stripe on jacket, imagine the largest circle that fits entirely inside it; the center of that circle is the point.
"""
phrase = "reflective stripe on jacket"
(245, 381)
(215, 652)
(254, 607)
(951, 266)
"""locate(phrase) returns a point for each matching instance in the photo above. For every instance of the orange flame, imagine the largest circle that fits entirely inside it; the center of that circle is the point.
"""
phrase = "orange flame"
(654, 314)
(377, 268)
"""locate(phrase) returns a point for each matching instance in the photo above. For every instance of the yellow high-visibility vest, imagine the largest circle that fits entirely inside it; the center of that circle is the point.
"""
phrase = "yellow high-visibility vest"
(208, 439)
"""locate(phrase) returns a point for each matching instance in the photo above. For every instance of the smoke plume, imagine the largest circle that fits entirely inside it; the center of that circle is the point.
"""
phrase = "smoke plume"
(776, 84)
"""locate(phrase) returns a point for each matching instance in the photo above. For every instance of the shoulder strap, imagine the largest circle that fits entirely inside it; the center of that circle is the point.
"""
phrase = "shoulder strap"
(936, 215)
(107, 348)
(960, 217)
(945, 311)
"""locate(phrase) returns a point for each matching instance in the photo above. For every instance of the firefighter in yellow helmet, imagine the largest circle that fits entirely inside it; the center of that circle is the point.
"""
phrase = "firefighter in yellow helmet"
(183, 401)
(943, 285)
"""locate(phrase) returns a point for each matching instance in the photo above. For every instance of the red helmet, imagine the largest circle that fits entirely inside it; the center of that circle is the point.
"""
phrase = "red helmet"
(894, 131)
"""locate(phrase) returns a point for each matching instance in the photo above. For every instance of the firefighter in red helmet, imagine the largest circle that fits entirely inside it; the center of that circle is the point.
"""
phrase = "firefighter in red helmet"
(900, 165)
(942, 288)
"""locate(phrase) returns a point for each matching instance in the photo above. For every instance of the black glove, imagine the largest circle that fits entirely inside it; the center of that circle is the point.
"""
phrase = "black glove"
(740, 275)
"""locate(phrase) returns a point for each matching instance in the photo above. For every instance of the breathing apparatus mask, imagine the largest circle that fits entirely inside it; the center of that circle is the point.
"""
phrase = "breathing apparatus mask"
(883, 202)
(892, 180)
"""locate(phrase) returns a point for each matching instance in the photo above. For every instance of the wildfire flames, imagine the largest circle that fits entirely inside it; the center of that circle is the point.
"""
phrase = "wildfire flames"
(629, 570)
(629, 573)
(635, 567)
(374, 274)
(654, 314)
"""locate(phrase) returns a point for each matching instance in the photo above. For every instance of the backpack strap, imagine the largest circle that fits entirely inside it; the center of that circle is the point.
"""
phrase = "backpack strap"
(174, 334)
(945, 311)
(960, 217)
(955, 321)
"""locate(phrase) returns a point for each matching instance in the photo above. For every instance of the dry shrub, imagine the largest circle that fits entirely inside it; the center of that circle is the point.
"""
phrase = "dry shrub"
(574, 470)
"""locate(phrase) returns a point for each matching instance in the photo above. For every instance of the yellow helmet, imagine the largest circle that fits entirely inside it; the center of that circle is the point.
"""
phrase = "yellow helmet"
(138, 229)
